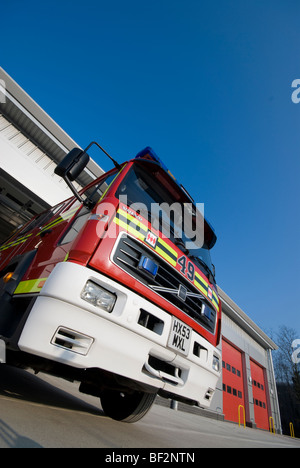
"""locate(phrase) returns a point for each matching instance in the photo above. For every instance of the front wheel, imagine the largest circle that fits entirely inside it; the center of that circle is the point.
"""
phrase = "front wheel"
(126, 406)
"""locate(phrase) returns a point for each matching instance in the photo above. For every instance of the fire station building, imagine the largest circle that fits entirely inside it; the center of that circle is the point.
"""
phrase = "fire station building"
(31, 145)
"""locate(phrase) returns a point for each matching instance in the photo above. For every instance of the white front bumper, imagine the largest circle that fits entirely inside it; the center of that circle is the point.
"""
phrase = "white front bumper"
(114, 341)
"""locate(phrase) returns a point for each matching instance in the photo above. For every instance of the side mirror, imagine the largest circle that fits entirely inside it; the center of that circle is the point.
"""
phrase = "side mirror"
(70, 168)
(72, 164)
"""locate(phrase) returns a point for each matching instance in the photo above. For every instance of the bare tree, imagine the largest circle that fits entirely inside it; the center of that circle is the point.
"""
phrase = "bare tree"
(284, 366)
(287, 372)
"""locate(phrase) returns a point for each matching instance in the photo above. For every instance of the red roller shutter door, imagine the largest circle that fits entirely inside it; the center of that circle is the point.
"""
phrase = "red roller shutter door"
(259, 396)
(233, 382)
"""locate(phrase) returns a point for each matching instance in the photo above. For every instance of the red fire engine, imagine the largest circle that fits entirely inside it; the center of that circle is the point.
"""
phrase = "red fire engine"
(93, 290)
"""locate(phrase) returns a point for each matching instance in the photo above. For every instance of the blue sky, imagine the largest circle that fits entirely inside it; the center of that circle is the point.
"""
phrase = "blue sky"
(208, 86)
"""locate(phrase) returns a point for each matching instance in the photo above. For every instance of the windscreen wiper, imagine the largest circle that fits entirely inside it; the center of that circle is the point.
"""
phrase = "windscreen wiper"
(180, 243)
(202, 262)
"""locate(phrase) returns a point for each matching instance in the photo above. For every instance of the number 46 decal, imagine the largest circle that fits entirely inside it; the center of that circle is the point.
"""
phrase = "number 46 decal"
(187, 268)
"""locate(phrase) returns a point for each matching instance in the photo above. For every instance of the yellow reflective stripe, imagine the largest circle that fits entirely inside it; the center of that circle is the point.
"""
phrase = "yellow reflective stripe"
(143, 227)
(133, 220)
(66, 257)
(15, 242)
(165, 256)
(172, 251)
(49, 226)
(67, 215)
(30, 286)
(215, 300)
(202, 285)
(53, 223)
(135, 226)
(215, 296)
(201, 281)
(199, 285)
(129, 228)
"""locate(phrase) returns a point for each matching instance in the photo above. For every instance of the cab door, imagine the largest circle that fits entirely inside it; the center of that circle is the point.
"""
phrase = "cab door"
(48, 253)
(55, 238)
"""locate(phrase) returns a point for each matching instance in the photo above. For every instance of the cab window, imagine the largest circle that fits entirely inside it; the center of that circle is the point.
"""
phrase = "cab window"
(40, 219)
(96, 191)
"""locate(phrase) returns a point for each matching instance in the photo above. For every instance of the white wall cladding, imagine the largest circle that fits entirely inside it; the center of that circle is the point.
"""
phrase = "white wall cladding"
(23, 160)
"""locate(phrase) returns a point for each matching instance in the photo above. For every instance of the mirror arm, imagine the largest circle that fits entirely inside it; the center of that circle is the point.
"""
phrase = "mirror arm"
(85, 202)
(116, 164)
(76, 160)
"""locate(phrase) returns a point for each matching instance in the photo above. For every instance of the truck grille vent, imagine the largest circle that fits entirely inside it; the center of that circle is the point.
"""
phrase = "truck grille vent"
(127, 256)
(72, 341)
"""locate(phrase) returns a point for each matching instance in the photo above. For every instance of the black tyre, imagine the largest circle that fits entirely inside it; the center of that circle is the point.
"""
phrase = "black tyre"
(127, 407)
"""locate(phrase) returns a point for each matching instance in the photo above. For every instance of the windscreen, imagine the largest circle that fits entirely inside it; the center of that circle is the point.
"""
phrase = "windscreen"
(147, 189)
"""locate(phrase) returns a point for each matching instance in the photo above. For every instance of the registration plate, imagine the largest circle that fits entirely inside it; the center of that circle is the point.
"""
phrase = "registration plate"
(180, 337)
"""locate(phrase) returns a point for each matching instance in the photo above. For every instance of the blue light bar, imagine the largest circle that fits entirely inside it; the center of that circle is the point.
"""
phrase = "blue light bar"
(149, 153)
(148, 265)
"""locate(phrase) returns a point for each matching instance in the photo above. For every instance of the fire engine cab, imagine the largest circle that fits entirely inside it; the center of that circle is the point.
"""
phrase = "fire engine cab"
(113, 288)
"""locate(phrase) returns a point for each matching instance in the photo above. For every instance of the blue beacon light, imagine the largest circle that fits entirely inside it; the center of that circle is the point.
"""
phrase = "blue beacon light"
(148, 265)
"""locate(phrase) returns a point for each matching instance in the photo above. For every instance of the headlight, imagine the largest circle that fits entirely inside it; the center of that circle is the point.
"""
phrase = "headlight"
(98, 296)
(216, 363)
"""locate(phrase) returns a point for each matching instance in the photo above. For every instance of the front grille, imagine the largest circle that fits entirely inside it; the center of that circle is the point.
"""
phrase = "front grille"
(167, 283)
